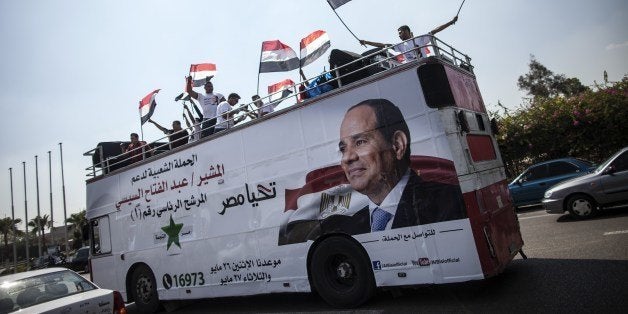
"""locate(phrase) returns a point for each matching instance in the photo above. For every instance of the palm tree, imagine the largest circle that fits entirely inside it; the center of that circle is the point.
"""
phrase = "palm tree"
(79, 221)
(7, 226)
(39, 224)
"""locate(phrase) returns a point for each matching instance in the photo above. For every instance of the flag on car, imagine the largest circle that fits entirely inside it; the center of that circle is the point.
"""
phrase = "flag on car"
(283, 86)
(200, 72)
(277, 57)
(313, 46)
(335, 4)
(147, 106)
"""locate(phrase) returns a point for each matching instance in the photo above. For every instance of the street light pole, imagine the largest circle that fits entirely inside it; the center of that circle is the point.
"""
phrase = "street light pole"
(38, 221)
(65, 215)
(26, 218)
(13, 224)
(52, 221)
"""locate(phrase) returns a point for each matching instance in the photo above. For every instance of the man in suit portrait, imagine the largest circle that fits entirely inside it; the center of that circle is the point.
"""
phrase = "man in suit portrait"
(375, 148)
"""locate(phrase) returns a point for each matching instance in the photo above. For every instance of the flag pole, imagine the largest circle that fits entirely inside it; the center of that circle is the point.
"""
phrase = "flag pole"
(460, 8)
(343, 23)
(141, 124)
(13, 224)
(38, 210)
(65, 214)
(26, 217)
(52, 221)
(259, 69)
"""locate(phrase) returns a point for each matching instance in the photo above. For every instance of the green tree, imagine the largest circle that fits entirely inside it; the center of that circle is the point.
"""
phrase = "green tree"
(79, 221)
(542, 82)
(38, 226)
(591, 125)
(7, 225)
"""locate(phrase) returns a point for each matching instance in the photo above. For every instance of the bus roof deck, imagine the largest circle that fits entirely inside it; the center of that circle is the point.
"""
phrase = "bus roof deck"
(107, 157)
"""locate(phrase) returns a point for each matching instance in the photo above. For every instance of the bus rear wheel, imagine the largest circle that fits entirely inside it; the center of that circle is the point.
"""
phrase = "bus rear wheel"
(144, 289)
(341, 273)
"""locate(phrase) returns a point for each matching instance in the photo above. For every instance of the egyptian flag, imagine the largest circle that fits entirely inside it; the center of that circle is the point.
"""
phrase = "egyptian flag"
(335, 4)
(277, 57)
(200, 72)
(147, 106)
(283, 86)
(313, 46)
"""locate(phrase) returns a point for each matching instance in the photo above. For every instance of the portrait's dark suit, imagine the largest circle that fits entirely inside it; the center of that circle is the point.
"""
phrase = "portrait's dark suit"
(422, 202)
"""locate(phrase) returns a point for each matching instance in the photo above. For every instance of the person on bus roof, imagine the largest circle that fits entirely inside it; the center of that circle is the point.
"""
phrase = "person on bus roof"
(409, 47)
(209, 103)
(135, 149)
(177, 135)
(225, 115)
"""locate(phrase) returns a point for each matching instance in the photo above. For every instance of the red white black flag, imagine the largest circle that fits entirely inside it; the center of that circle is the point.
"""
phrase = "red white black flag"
(313, 46)
(277, 57)
(147, 106)
(200, 72)
(335, 4)
(284, 86)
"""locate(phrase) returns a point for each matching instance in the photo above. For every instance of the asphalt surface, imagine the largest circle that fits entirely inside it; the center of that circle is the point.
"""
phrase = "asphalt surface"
(572, 267)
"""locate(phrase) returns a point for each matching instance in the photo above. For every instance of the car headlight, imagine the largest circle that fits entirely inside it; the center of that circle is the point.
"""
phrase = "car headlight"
(548, 194)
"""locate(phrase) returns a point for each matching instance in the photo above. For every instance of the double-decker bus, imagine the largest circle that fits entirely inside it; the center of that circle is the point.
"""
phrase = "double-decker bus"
(392, 177)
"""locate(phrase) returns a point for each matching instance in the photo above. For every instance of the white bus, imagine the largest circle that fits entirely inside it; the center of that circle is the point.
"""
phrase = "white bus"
(392, 178)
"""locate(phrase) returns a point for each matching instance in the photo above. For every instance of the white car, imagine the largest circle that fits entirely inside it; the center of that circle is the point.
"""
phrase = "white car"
(56, 290)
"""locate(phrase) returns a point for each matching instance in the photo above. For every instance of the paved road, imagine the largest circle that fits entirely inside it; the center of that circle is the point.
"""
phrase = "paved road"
(572, 267)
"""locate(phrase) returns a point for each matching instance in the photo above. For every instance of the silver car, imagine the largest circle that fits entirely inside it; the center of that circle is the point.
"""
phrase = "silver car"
(56, 290)
(584, 196)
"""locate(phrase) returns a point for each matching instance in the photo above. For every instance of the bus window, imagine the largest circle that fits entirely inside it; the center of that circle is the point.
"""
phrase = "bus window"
(101, 236)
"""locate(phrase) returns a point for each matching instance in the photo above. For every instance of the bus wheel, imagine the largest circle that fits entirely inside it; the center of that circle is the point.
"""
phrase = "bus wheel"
(341, 273)
(144, 289)
(581, 206)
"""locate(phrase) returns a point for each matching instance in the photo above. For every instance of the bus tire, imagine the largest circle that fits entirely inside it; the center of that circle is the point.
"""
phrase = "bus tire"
(144, 289)
(341, 273)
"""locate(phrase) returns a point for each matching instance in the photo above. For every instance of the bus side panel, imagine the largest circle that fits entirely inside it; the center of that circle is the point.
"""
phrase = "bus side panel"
(495, 226)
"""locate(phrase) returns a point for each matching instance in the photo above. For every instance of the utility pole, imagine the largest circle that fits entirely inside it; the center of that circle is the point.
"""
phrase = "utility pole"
(38, 221)
(26, 218)
(65, 214)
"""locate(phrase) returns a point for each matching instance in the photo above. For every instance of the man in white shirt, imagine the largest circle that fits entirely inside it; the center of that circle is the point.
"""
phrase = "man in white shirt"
(410, 47)
(209, 103)
(224, 114)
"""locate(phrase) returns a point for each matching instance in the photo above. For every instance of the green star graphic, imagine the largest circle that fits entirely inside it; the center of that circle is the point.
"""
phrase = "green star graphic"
(172, 230)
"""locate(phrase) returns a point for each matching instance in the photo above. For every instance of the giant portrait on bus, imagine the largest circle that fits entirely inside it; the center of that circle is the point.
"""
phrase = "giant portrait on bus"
(379, 184)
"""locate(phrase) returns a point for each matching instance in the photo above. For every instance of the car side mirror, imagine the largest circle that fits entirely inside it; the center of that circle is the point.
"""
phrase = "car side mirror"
(609, 170)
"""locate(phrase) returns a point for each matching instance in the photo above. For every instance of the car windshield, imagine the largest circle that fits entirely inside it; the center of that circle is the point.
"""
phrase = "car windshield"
(606, 162)
(26, 292)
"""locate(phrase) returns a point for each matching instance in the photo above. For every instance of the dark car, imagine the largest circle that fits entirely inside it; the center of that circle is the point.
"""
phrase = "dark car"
(80, 260)
(584, 196)
(528, 188)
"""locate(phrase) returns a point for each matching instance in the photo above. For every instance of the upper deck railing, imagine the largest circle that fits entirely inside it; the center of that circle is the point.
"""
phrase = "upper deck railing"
(369, 63)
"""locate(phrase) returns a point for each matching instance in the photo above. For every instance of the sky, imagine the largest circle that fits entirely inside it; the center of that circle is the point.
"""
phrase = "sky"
(73, 71)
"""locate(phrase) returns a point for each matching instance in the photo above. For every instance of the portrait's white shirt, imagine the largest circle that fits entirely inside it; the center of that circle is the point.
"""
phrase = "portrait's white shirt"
(391, 200)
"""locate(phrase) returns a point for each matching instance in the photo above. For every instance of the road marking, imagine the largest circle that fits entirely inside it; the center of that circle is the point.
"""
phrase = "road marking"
(530, 217)
(615, 232)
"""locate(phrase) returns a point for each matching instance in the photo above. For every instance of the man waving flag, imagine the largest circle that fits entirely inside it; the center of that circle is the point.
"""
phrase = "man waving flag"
(313, 46)
(147, 106)
(277, 57)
